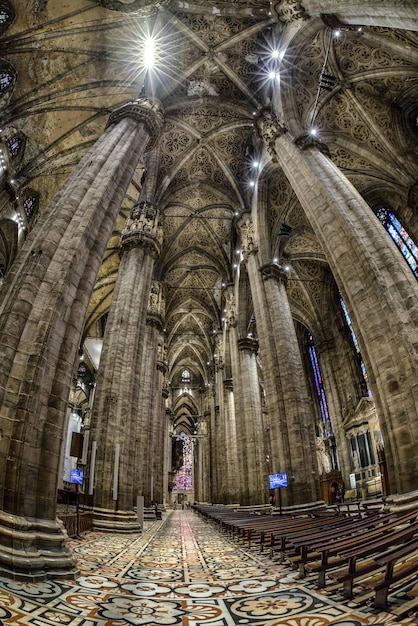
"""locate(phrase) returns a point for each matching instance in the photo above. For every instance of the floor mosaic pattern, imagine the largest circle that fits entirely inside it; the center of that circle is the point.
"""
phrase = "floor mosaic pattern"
(178, 571)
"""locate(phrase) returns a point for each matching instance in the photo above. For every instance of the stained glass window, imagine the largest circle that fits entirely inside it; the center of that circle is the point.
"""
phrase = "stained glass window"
(15, 144)
(186, 377)
(354, 338)
(31, 204)
(184, 476)
(6, 79)
(399, 235)
(7, 15)
(320, 390)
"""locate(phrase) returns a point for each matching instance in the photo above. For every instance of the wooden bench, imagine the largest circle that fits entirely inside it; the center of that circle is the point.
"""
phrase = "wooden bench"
(336, 549)
(400, 564)
(358, 562)
(305, 548)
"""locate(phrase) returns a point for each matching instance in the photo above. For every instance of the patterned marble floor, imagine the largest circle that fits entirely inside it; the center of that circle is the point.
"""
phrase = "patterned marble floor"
(178, 571)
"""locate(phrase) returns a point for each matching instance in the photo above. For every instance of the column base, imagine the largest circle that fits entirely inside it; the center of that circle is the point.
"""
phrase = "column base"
(116, 521)
(34, 549)
(401, 503)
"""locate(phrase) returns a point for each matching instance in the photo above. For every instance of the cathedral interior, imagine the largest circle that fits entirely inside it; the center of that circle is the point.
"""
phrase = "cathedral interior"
(208, 260)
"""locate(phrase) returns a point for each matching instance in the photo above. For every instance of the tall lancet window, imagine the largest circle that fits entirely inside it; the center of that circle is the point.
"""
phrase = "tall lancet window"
(355, 342)
(319, 385)
(400, 236)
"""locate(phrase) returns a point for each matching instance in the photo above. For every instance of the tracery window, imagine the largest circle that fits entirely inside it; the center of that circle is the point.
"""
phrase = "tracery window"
(7, 15)
(15, 144)
(186, 377)
(319, 385)
(400, 236)
(7, 76)
(31, 205)
(6, 79)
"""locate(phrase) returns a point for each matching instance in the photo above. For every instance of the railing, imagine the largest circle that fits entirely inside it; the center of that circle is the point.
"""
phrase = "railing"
(76, 524)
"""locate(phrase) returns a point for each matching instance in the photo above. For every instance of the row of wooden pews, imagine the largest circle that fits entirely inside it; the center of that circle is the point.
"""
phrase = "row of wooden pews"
(359, 553)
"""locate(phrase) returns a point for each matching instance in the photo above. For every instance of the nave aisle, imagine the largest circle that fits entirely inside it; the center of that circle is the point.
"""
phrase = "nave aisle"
(180, 571)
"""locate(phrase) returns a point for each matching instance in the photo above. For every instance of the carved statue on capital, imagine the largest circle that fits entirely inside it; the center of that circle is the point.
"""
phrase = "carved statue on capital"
(288, 11)
(231, 309)
(270, 129)
(248, 239)
(219, 352)
(324, 459)
(156, 298)
(143, 227)
(156, 305)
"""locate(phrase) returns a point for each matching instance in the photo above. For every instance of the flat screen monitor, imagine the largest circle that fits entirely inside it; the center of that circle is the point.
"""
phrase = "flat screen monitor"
(76, 476)
(278, 480)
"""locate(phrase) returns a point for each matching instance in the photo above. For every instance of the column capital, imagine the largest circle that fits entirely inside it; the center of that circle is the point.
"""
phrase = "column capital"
(143, 229)
(272, 270)
(154, 318)
(288, 10)
(162, 367)
(248, 344)
(270, 128)
(306, 140)
(229, 384)
(147, 110)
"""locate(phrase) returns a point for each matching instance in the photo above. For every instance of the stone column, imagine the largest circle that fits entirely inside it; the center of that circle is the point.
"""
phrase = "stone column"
(219, 440)
(232, 474)
(152, 382)
(45, 299)
(201, 469)
(166, 441)
(379, 290)
(119, 425)
(249, 426)
(291, 423)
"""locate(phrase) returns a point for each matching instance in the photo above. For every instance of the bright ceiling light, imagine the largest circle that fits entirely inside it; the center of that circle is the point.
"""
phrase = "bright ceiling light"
(149, 53)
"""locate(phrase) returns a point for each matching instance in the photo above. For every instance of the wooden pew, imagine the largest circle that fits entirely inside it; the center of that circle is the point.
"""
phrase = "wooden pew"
(400, 564)
(305, 548)
(330, 549)
(362, 560)
(338, 559)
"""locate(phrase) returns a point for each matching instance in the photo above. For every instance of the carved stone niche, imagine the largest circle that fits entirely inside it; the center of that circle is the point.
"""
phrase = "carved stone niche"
(144, 8)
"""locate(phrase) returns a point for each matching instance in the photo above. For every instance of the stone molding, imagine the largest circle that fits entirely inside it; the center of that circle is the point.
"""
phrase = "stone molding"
(289, 11)
(141, 8)
(37, 551)
(144, 109)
